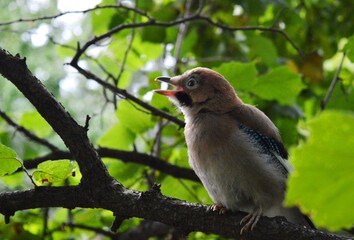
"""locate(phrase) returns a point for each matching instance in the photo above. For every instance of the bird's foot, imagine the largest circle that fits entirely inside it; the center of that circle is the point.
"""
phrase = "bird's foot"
(250, 220)
(218, 208)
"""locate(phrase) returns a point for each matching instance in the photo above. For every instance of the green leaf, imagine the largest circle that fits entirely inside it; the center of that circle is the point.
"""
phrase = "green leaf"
(53, 172)
(322, 183)
(115, 20)
(240, 75)
(189, 42)
(165, 12)
(280, 84)
(129, 174)
(9, 162)
(102, 19)
(145, 51)
(145, 5)
(153, 34)
(349, 48)
(179, 156)
(185, 190)
(341, 100)
(264, 49)
(161, 102)
(34, 122)
(118, 136)
(133, 117)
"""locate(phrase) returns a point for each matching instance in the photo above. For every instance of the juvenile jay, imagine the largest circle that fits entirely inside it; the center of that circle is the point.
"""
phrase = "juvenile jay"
(233, 147)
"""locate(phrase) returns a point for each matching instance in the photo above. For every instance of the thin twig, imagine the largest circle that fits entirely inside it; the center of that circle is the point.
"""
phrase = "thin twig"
(190, 191)
(28, 133)
(195, 17)
(94, 229)
(28, 174)
(98, 7)
(126, 95)
(124, 60)
(335, 79)
(151, 22)
(45, 223)
(125, 156)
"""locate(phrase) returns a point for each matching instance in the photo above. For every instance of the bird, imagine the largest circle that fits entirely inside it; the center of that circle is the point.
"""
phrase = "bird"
(233, 147)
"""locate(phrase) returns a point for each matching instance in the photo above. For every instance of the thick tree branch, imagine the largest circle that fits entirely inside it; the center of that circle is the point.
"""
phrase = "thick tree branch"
(154, 206)
(74, 136)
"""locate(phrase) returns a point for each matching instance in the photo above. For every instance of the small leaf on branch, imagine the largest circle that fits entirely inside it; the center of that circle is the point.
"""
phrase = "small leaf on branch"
(9, 162)
(53, 172)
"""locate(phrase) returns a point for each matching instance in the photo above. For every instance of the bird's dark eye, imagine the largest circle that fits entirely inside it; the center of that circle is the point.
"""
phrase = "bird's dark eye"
(192, 83)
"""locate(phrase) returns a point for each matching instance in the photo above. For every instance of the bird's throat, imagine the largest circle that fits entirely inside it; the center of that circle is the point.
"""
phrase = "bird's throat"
(183, 98)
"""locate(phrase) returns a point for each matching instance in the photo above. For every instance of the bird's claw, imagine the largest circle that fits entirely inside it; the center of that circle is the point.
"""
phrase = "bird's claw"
(218, 208)
(250, 220)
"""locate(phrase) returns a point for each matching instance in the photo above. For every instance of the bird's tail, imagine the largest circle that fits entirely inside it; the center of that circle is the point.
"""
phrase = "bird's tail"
(295, 216)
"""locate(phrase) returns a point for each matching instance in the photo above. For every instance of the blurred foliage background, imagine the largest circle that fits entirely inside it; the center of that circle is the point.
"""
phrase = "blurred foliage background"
(287, 76)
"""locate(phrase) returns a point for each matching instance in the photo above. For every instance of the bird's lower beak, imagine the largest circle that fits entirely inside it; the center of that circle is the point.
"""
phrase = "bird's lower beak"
(170, 81)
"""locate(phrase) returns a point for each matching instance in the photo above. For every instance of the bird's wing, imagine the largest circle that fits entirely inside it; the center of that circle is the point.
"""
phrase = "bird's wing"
(269, 146)
(263, 134)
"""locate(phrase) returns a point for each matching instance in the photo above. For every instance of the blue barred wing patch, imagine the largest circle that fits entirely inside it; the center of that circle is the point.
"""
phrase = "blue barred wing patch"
(268, 146)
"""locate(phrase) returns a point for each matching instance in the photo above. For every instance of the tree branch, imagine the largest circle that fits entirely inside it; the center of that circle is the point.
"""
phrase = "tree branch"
(195, 17)
(154, 206)
(125, 156)
(74, 136)
(127, 95)
(335, 79)
(98, 7)
(27, 133)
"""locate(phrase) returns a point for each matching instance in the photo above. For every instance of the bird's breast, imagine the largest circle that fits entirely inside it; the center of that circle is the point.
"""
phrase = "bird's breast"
(228, 165)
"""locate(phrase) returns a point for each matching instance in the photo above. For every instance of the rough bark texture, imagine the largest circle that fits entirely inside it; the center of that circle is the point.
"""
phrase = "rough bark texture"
(99, 190)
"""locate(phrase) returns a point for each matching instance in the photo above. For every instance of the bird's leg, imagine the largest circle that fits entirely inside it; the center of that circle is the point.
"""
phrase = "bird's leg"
(217, 207)
(251, 219)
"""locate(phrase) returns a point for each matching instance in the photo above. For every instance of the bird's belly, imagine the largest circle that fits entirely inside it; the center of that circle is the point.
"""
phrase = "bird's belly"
(235, 176)
(222, 184)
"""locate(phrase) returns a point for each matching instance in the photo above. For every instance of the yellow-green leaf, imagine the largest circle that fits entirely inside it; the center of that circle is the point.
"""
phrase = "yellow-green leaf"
(349, 48)
(280, 84)
(322, 183)
(240, 75)
(119, 137)
(133, 117)
(263, 49)
(9, 162)
(53, 172)
(34, 122)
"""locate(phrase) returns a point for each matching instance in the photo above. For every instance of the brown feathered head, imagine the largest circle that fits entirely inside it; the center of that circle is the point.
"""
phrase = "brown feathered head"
(200, 89)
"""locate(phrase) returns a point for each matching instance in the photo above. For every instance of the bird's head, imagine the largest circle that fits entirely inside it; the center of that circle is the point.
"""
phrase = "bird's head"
(200, 89)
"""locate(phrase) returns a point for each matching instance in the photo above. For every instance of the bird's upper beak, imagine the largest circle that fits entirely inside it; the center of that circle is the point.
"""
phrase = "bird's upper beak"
(171, 81)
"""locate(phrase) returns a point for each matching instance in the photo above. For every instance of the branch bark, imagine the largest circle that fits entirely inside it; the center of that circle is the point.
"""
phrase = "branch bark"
(152, 205)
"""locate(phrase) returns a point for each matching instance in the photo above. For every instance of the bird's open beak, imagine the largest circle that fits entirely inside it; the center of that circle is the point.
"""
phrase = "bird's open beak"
(170, 81)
